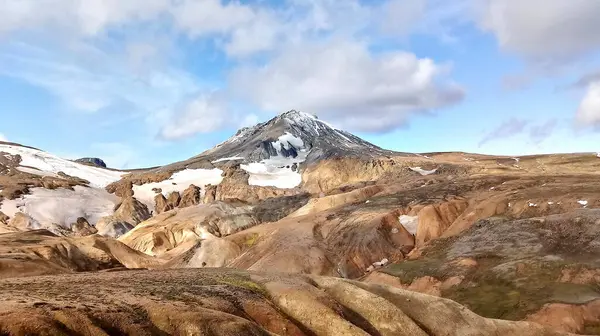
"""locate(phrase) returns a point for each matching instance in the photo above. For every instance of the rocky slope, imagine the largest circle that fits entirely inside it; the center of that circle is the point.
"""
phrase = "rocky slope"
(41, 252)
(227, 302)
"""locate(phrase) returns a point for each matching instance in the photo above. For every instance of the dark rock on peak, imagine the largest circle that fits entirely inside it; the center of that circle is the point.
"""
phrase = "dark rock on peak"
(92, 162)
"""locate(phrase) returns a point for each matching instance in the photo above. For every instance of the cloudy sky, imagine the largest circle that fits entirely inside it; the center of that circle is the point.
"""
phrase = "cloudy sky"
(148, 82)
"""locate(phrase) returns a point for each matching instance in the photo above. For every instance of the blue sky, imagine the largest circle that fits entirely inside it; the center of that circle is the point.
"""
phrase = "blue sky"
(149, 82)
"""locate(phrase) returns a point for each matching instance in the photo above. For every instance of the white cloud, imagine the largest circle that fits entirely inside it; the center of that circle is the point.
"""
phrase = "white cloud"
(401, 16)
(546, 32)
(316, 58)
(204, 114)
(86, 17)
(343, 82)
(258, 35)
(199, 17)
(89, 80)
(3, 137)
(93, 18)
(588, 113)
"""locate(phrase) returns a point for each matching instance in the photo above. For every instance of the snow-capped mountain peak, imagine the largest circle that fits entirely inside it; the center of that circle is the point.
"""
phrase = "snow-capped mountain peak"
(293, 134)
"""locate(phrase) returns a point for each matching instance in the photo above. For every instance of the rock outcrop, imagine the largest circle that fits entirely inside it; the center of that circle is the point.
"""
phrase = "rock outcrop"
(121, 189)
(190, 197)
(160, 204)
(4, 227)
(173, 200)
(132, 211)
(82, 228)
(110, 226)
(129, 213)
(435, 219)
(4, 219)
(23, 222)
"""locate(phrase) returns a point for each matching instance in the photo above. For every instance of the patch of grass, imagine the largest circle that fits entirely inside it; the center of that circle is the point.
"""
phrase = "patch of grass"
(438, 248)
(244, 283)
(251, 239)
(514, 296)
(591, 329)
(498, 298)
(409, 270)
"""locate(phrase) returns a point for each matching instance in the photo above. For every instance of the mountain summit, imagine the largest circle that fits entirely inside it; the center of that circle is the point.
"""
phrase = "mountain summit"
(293, 135)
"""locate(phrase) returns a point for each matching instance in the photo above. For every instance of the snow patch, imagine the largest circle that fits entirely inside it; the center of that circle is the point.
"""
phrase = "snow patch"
(423, 172)
(265, 175)
(178, 182)
(46, 162)
(533, 205)
(276, 171)
(233, 158)
(286, 140)
(550, 203)
(37, 172)
(62, 206)
(410, 223)
(584, 203)
(381, 263)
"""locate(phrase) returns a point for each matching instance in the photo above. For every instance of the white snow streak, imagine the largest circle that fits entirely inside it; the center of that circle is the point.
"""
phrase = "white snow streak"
(422, 171)
(233, 158)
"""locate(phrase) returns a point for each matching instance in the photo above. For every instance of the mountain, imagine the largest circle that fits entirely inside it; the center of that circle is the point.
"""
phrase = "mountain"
(295, 136)
(292, 135)
(274, 153)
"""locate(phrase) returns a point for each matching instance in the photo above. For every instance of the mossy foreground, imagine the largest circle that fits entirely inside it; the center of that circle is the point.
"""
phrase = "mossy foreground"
(509, 280)
(231, 302)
